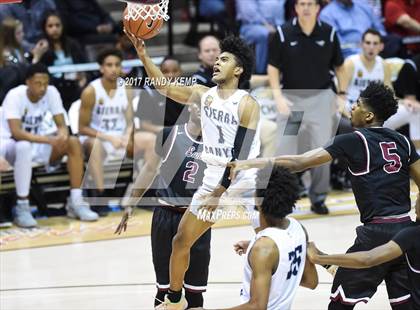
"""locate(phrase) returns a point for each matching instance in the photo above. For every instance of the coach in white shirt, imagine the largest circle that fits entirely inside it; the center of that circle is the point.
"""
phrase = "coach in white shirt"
(22, 142)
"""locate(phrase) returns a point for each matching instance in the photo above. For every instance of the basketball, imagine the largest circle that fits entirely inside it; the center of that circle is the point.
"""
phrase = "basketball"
(142, 28)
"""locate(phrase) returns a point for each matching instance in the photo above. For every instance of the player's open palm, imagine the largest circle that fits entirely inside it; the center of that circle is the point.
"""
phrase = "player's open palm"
(137, 42)
(122, 226)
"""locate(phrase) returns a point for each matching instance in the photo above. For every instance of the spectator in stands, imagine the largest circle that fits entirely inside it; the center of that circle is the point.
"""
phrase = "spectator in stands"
(22, 142)
(258, 20)
(351, 19)
(215, 10)
(303, 52)
(156, 111)
(15, 55)
(208, 50)
(15, 51)
(30, 13)
(403, 18)
(63, 50)
(9, 75)
(376, 6)
(407, 86)
(87, 20)
(106, 121)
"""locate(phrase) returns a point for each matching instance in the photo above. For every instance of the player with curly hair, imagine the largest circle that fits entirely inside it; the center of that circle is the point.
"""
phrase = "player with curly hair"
(381, 162)
(230, 128)
(276, 261)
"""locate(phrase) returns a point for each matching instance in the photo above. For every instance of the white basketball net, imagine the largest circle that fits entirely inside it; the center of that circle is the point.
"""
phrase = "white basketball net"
(145, 11)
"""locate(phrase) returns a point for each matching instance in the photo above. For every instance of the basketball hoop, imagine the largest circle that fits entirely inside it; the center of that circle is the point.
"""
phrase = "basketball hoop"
(155, 10)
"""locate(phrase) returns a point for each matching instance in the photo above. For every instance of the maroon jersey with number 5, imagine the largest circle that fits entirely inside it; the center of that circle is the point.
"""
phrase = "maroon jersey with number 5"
(379, 161)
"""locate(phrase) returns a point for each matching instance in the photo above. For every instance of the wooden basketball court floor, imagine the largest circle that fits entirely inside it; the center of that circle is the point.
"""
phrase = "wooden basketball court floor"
(118, 273)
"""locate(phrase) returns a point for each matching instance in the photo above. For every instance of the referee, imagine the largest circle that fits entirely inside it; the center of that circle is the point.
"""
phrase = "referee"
(305, 52)
(181, 173)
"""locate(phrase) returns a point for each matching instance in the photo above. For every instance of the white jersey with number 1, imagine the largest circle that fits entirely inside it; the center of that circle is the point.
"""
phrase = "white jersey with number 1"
(220, 122)
(291, 243)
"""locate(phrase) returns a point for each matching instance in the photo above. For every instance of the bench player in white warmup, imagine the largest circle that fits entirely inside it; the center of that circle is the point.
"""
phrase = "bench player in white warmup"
(361, 69)
(366, 67)
(106, 119)
(275, 263)
(22, 142)
(229, 121)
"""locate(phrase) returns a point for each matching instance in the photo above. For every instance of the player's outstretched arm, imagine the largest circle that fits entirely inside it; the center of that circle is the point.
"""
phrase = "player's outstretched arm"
(357, 260)
(179, 93)
(295, 163)
(142, 183)
(263, 260)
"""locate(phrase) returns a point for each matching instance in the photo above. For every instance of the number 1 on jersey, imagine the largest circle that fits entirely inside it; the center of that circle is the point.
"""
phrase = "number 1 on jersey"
(221, 138)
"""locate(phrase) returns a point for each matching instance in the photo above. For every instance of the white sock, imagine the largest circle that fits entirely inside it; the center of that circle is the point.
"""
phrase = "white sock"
(76, 194)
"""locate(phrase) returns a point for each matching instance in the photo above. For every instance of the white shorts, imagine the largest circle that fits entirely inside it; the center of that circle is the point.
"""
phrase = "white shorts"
(41, 152)
(111, 152)
(241, 193)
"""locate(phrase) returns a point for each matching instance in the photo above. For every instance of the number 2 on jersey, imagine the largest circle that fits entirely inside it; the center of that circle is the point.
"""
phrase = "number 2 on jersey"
(190, 172)
(393, 160)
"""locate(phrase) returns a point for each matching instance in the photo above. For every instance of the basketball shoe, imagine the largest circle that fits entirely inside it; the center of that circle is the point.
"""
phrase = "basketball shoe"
(80, 210)
(22, 215)
(182, 304)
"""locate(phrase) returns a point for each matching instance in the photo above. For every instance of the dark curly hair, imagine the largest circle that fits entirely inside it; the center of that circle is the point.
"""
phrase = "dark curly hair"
(279, 190)
(108, 52)
(244, 55)
(380, 99)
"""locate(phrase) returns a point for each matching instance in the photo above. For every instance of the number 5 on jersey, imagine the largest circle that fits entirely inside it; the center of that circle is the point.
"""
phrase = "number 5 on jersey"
(389, 153)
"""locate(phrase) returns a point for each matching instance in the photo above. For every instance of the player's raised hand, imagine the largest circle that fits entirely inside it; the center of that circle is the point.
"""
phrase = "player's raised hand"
(122, 226)
(241, 247)
(138, 43)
